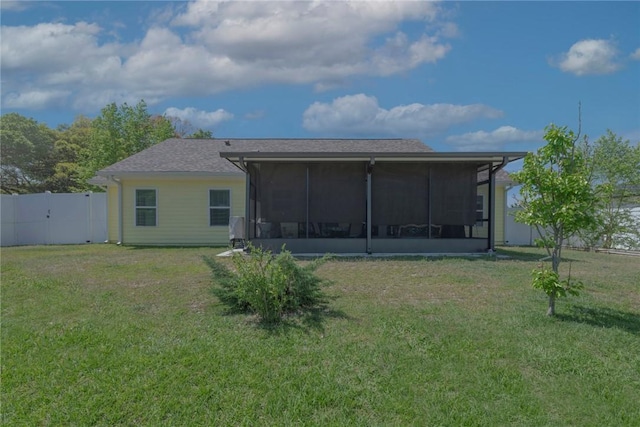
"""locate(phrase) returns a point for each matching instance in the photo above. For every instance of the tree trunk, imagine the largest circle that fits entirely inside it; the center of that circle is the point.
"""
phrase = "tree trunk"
(551, 311)
(555, 264)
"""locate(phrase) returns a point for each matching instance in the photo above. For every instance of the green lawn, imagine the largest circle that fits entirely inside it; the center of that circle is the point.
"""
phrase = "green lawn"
(106, 335)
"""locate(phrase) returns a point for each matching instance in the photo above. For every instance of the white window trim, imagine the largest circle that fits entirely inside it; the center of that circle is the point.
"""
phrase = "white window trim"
(135, 206)
(209, 207)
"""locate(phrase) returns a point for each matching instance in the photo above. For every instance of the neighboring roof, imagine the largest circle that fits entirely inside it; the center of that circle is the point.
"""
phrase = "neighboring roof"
(202, 156)
(502, 176)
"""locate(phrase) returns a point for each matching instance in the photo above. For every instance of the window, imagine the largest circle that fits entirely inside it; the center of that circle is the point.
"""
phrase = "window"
(219, 207)
(480, 210)
(146, 208)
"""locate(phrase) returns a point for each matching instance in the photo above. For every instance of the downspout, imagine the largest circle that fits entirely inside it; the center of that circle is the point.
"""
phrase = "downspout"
(372, 162)
(120, 198)
(429, 204)
(307, 201)
(247, 200)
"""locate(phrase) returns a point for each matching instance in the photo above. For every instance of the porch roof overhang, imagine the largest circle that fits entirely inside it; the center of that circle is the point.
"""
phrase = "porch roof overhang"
(493, 160)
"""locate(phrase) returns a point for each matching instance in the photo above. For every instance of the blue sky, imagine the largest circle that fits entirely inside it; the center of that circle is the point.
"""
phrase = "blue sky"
(460, 76)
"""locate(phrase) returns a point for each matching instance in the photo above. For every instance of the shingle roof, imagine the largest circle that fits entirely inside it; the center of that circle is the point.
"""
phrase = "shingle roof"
(501, 176)
(203, 155)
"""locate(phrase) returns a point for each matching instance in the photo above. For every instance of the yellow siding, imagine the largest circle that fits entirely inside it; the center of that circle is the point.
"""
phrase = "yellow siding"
(499, 229)
(183, 211)
(112, 213)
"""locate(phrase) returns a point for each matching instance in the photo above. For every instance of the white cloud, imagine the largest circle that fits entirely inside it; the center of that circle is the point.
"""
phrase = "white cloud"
(399, 54)
(494, 140)
(255, 115)
(52, 48)
(14, 6)
(199, 118)
(361, 114)
(636, 54)
(36, 99)
(589, 57)
(217, 46)
(58, 58)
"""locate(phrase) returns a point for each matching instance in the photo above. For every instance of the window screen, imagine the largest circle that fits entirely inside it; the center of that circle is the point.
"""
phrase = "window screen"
(146, 208)
(280, 194)
(399, 197)
(219, 207)
(337, 199)
(453, 193)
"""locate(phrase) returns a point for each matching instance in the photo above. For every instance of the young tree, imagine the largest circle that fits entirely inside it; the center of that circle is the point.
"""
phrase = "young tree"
(557, 199)
(614, 165)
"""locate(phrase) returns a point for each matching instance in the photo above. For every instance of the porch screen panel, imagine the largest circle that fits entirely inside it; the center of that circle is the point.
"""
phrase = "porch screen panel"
(280, 192)
(453, 193)
(337, 193)
(253, 205)
(400, 194)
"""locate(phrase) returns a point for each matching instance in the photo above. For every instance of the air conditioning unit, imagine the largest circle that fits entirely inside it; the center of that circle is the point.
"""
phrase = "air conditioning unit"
(237, 231)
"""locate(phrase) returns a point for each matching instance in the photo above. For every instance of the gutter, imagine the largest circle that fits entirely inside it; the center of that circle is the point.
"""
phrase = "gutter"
(120, 198)
(505, 162)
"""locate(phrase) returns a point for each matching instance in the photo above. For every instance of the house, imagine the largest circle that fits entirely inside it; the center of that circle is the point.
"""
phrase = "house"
(314, 195)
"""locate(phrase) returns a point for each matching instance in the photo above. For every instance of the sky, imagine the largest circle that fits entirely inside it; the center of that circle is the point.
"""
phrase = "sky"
(460, 76)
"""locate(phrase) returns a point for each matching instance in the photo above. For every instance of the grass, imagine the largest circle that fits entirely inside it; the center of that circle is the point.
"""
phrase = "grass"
(106, 335)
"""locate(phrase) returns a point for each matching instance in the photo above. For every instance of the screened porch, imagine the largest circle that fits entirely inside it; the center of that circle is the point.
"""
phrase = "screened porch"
(366, 203)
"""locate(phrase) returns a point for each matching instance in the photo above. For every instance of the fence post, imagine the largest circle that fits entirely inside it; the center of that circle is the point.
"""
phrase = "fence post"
(89, 237)
(47, 228)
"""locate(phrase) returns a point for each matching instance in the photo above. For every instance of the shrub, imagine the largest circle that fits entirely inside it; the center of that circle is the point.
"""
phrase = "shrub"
(270, 286)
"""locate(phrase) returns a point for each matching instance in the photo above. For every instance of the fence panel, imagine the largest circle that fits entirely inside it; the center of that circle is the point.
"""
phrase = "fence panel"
(31, 219)
(8, 206)
(516, 233)
(98, 217)
(38, 219)
(69, 218)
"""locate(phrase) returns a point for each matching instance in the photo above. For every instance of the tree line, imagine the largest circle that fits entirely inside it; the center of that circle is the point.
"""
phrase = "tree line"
(36, 158)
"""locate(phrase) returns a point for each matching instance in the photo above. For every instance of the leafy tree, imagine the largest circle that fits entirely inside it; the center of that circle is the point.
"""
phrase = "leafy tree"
(615, 174)
(201, 134)
(121, 131)
(161, 129)
(71, 151)
(557, 199)
(28, 158)
(182, 127)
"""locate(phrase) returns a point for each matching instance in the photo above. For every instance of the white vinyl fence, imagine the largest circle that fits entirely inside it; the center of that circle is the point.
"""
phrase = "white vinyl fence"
(517, 234)
(47, 219)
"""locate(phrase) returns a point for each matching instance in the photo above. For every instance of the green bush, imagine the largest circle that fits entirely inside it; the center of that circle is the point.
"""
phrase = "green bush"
(266, 284)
